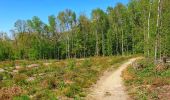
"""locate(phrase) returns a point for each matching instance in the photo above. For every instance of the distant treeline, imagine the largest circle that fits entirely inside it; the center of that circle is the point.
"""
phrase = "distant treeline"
(141, 26)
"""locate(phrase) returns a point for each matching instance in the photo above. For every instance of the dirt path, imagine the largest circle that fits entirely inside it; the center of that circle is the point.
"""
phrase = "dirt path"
(110, 86)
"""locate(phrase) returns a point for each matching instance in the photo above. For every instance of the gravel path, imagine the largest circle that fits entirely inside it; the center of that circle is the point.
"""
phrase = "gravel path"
(110, 86)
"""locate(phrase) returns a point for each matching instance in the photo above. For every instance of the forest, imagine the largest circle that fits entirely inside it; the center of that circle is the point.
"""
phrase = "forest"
(141, 26)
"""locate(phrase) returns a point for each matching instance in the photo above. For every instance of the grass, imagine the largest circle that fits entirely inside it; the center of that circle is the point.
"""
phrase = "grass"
(57, 80)
(146, 83)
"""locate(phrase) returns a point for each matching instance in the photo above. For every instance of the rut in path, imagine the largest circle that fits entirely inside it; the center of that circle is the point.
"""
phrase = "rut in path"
(110, 86)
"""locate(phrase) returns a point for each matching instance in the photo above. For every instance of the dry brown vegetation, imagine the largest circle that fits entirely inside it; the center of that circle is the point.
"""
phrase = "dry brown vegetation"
(56, 80)
(148, 82)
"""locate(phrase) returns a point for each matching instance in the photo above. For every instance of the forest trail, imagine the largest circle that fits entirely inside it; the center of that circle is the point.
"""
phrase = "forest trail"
(110, 85)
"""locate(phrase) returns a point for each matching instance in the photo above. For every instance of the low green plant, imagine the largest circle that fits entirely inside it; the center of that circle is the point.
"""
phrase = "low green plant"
(73, 90)
(45, 95)
(71, 64)
(22, 97)
(20, 79)
(87, 63)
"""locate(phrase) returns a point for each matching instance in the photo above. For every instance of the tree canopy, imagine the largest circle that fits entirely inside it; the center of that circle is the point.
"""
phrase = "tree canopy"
(141, 26)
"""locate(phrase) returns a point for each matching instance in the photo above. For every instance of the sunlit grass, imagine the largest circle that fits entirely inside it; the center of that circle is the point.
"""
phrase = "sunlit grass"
(55, 79)
(142, 83)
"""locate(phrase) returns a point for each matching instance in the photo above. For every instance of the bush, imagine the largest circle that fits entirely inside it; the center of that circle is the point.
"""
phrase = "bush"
(71, 64)
(50, 82)
(87, 63)
(73, 90)
(9, 93)
(20, 79)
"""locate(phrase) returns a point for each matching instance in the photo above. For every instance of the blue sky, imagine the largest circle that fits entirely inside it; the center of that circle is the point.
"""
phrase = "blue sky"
(11, 10)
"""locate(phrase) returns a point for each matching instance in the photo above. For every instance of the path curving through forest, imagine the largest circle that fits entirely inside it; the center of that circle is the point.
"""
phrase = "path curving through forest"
(110, 85)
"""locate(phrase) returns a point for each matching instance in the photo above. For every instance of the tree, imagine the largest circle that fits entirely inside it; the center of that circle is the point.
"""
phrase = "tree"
(20, 26)
(157, 29)
(99, 21)
(148, 36)
(142, 26)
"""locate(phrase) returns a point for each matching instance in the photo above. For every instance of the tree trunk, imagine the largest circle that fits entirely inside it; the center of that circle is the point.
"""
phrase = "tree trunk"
(148, 36)
(68, 48)
(157, 30)
(133, 43)
(103, 46)
(122, 42)
(117, 42)
(97, 44)
(84, 50)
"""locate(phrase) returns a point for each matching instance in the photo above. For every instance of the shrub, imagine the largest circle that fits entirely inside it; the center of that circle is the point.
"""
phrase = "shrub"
(50, 82)
(61, 85)
(87, 63)
(9, 93)
(71, 64)
(20, 79)
(73, 90)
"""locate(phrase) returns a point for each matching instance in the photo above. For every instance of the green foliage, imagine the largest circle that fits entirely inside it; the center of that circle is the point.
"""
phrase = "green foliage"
(52, 82)
(123, 29)
(5, 76)
(73, 90)
(71, 64)
(87, 63)
(22, 97)
(45, 95)
(20, 79)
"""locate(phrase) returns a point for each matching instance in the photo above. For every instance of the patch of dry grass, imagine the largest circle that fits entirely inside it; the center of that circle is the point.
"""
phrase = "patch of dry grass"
(143, 84)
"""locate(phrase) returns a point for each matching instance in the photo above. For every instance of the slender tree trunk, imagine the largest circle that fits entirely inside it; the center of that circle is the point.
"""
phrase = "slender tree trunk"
(157, 31)
(68, 42)
(103, 46)
(160, 41)
(133, 43)
(68, 47)
(122, 42)
(160, 38)
(84, 50)
(97, 44)
(148, 36)
(117, 42)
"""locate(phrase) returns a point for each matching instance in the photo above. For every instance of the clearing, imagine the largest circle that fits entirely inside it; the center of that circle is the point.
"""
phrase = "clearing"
(51, 79)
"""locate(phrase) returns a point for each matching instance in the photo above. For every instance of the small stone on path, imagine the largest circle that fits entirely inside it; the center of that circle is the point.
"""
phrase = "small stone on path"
(2, 70)
(33, 66)
(15, 71)
(47, 64)
(41, 74)
(31, 79)
(18, 67)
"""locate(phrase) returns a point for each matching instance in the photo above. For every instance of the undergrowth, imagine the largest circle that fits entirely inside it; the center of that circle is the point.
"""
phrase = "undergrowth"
(57, 80)
(142, 83)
